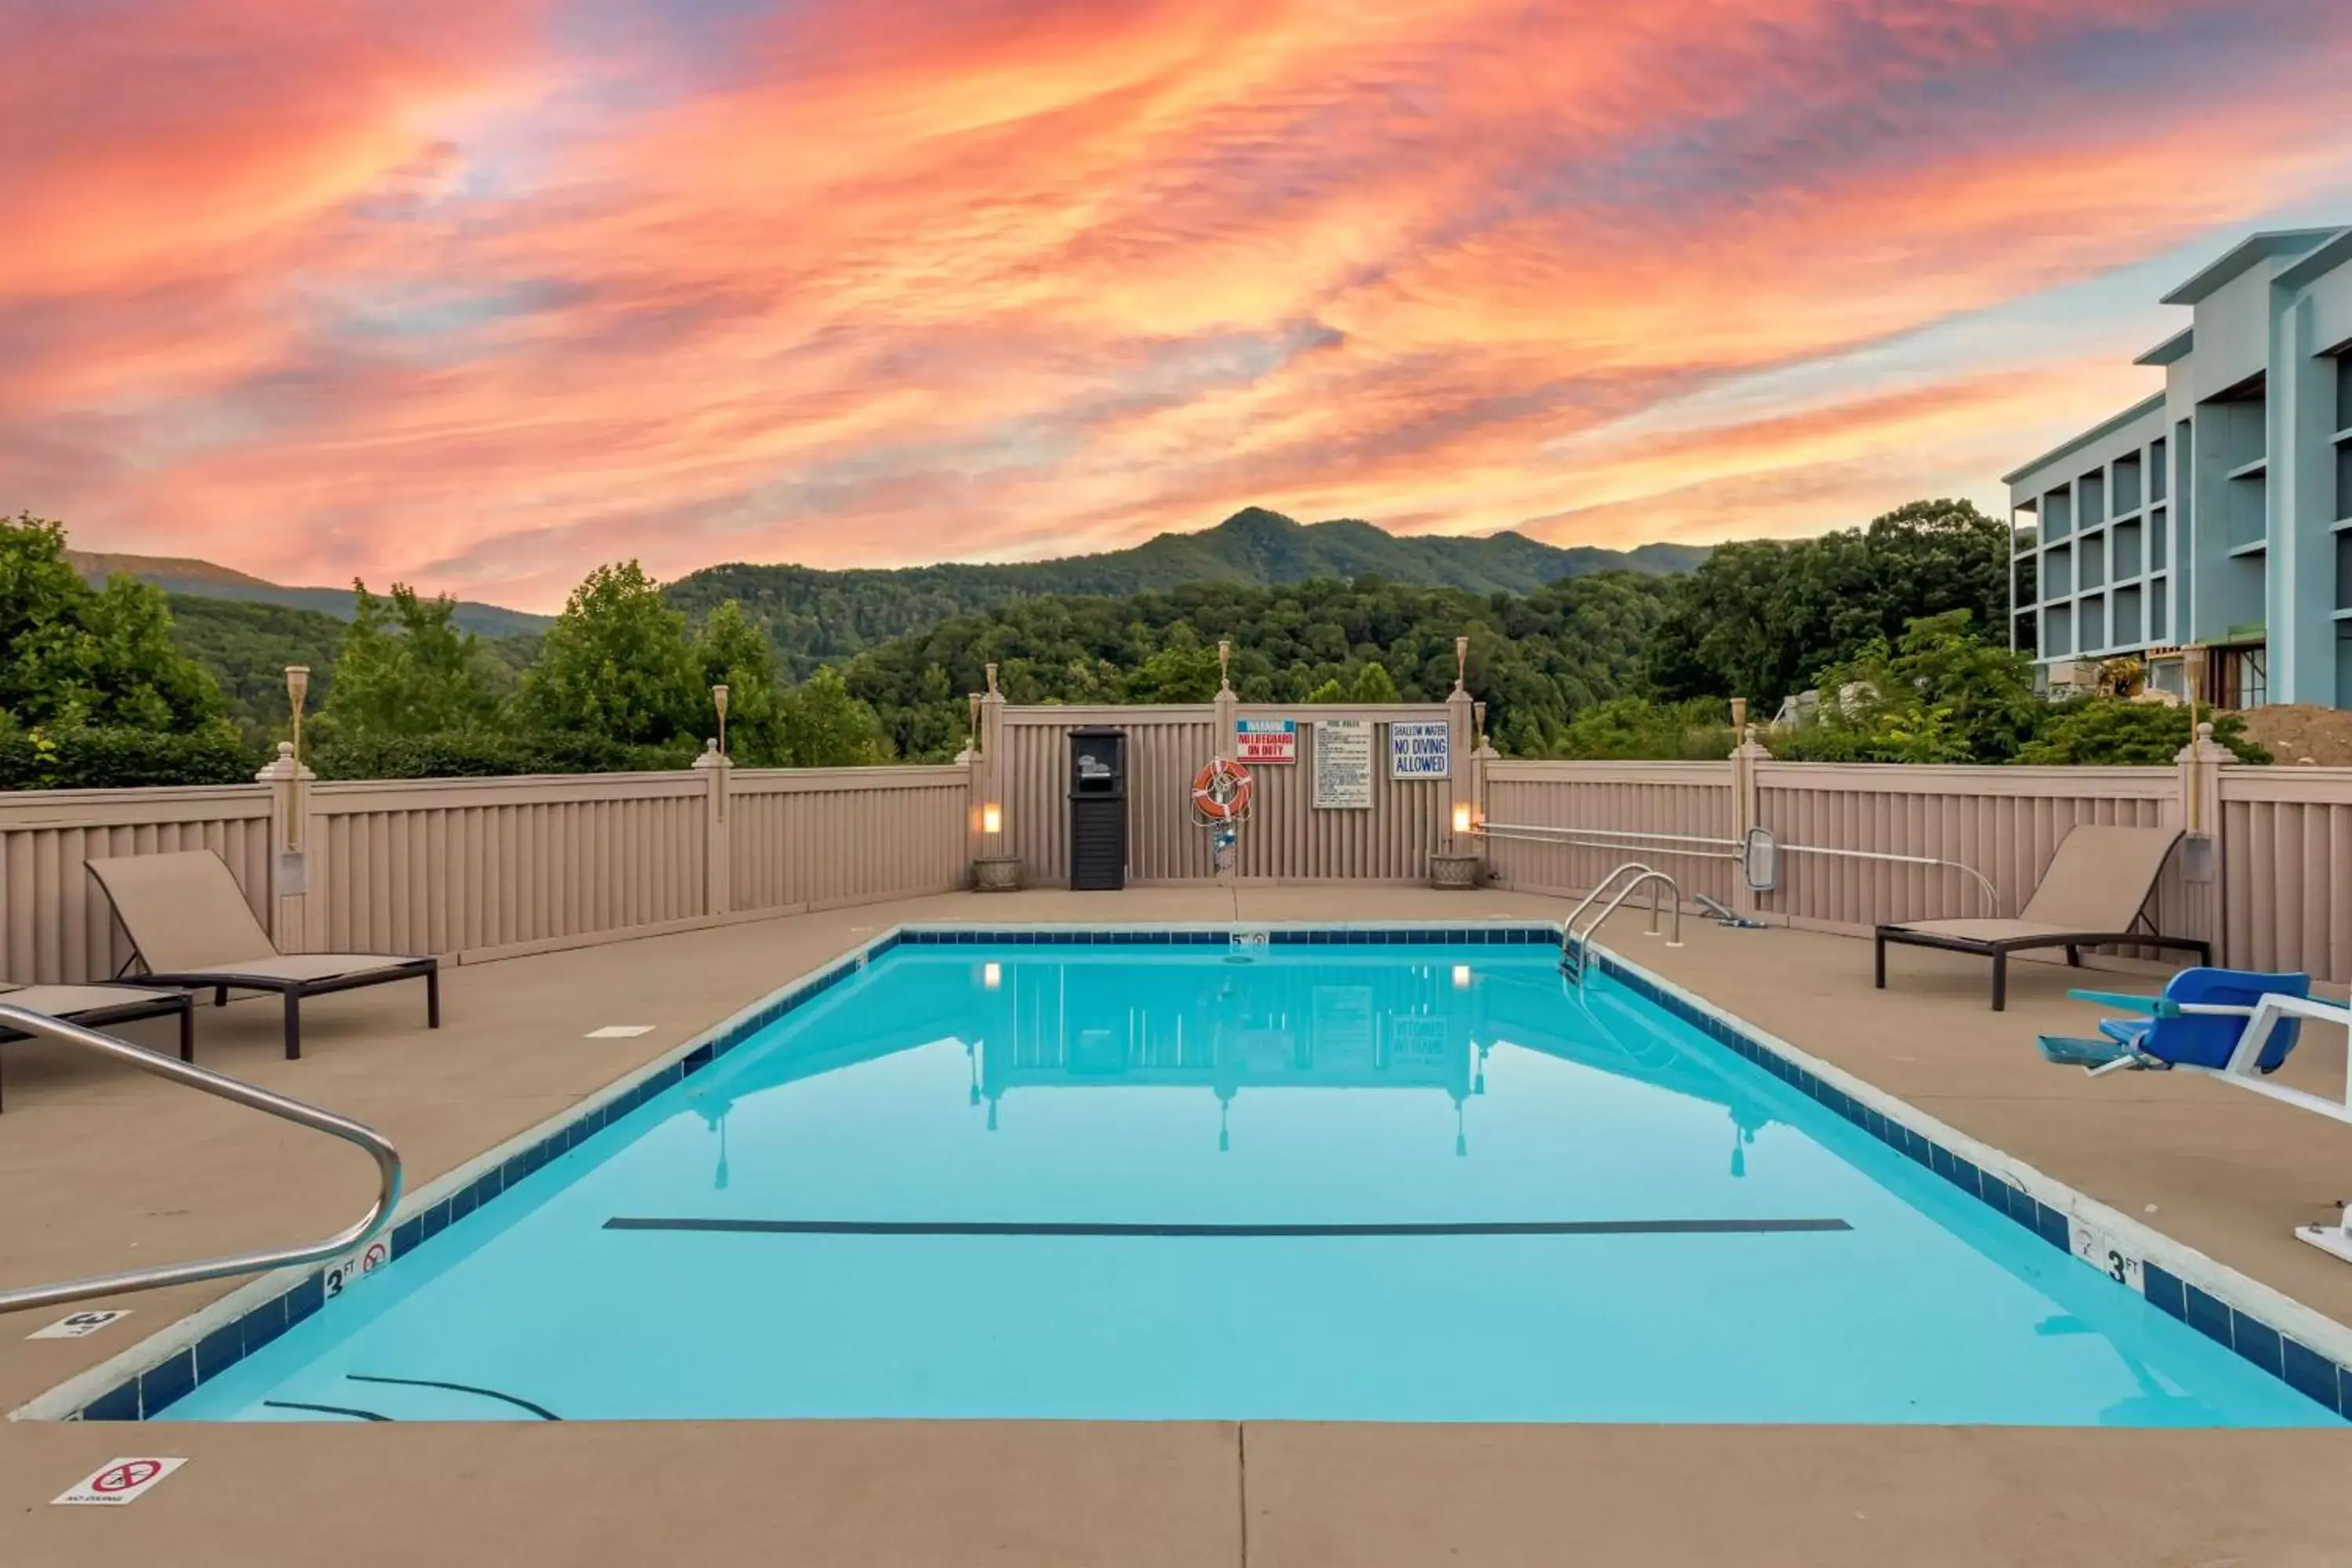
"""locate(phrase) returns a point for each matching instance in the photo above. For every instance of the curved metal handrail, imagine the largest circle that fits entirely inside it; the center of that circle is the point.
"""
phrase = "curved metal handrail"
(1568, 927)
(386, 1157)
(1644, 876)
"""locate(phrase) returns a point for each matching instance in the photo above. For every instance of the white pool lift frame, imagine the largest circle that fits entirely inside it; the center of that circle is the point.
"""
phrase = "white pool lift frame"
(2261, 1018)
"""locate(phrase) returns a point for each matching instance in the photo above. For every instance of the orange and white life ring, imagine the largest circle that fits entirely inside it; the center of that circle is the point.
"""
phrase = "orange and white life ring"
(1221, 790)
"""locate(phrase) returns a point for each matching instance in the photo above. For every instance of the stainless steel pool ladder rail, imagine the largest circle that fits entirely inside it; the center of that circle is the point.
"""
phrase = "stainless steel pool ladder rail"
(358, 1232)
(1572, 945)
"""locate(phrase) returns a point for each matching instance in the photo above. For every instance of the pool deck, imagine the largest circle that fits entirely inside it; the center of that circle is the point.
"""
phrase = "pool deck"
(100, 1168)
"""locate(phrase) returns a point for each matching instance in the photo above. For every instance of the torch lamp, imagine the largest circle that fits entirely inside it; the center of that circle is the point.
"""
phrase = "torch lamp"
(298, 688)
(719, 700)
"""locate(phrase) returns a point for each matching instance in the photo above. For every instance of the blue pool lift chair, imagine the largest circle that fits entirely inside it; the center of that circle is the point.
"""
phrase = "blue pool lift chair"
(2232, 1024)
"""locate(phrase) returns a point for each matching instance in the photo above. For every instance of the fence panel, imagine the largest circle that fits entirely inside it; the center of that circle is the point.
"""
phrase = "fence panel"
(2287, 858)
(55, 925)
(1286, 837)
(459, 865)
(813, 839)
(1684, 799)
(2005, 821)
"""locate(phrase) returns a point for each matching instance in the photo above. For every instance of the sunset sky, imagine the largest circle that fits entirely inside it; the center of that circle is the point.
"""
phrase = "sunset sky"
(479, 295)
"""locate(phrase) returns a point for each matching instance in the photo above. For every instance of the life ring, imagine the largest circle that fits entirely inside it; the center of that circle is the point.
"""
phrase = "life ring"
(1222, 789)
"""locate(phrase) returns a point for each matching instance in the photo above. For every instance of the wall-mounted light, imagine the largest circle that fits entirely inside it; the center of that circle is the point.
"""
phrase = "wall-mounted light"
(992, 819)
(991, 975)
(1462, 816)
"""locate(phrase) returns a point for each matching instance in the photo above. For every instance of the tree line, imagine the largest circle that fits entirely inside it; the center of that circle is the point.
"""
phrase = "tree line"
(1901, 624)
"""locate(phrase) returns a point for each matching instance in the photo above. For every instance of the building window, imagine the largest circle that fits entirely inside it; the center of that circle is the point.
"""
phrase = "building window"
(2093, 624)
(2126, 484)
(2241, 675)
(2126, 550)
(2057, 631)
(2091, 499)
(2159, 529)
(2155, 471)
(2125, 633)
(2159, 625)
(2058, 571)
(2090, 562)
(2057, 512)
(2344, 570)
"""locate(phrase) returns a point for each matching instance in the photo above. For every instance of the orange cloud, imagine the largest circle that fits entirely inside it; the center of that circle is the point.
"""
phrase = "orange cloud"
(483, 301)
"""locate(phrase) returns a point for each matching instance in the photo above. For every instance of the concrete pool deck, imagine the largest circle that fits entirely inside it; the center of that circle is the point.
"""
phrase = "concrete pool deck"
(101, 1169)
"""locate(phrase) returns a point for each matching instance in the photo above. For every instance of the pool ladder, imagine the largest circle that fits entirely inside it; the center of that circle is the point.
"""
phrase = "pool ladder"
(1573, 945)
(18, 1020)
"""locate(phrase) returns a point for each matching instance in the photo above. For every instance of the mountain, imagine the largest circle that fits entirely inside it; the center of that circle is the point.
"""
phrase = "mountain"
(183, 574)
(815, 615)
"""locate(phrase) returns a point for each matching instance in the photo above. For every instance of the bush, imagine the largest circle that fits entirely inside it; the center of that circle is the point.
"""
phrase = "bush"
(2094, 731)
(1635, 729)
(489, 754)
(121, 756)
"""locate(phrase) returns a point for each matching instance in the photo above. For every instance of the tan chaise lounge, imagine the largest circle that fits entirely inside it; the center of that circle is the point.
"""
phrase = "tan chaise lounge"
(190, 925)
(2095, 894)
(96, 1005)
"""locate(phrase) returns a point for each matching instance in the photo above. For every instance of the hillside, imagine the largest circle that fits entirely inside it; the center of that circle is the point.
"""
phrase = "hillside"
(814, 617)
(184, 575)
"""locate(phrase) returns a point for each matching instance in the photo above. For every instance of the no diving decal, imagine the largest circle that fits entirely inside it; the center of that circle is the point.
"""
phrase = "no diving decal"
(116, 1483)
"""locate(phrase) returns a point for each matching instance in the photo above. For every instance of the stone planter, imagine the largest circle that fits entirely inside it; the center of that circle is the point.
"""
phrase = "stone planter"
(995, 873)
(1454, 870)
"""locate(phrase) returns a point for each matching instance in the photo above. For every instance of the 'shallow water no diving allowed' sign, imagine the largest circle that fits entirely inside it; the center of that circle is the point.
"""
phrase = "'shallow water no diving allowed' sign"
(1421, 749)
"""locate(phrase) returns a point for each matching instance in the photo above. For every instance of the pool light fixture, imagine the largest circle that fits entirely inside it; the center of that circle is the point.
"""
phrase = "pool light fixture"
(991, 975)
(1462, 977)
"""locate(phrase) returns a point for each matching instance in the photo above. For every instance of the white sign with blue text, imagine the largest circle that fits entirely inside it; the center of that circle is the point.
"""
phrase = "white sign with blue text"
(1420, 749)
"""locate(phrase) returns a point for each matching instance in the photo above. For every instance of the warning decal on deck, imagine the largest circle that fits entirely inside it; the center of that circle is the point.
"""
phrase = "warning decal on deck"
(80, 1323)
(117, 1481)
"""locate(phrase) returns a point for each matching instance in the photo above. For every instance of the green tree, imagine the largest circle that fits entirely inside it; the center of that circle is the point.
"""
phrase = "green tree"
(1373, 684)
(733, 652)
(1329, 692)
(825, 727)
(1766, 618)
(616, 665)
(72, 655)
(1943, 695)
(404, 668)
(1175, 674)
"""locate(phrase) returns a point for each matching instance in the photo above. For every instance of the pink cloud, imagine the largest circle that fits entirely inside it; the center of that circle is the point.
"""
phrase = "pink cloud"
(460, 301)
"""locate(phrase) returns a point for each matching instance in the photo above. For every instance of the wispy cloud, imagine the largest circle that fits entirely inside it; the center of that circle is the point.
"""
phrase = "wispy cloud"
(484, 297)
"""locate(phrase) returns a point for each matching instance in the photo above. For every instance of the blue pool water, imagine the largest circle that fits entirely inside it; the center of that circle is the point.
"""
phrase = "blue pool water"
(1394, 1182)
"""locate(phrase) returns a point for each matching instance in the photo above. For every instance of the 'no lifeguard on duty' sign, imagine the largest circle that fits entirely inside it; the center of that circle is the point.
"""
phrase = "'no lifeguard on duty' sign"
(1420, 749)
(1266, 740)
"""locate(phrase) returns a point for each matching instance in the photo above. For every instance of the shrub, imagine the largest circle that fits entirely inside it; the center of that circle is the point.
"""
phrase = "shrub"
(115, 756)
(2094, 731)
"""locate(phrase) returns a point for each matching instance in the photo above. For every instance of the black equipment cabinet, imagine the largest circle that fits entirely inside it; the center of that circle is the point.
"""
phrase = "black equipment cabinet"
(1097, 810)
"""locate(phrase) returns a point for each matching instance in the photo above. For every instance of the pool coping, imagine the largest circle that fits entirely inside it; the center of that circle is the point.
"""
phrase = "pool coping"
(2271, 1331)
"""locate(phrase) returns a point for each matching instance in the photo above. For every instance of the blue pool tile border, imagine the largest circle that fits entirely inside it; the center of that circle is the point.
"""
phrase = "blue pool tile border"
(2283, 1356)
(222, 1345)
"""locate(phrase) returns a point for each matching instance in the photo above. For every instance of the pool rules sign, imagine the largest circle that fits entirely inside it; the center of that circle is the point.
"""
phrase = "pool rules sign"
(1421, 749)
(1343, 765)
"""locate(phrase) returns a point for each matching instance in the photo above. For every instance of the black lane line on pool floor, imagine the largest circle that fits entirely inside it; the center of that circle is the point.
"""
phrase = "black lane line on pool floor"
(542, 1411)
(1017, 1227)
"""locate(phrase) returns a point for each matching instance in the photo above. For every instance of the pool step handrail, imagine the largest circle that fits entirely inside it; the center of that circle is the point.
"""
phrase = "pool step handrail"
(220, 1087)
(1572, 955)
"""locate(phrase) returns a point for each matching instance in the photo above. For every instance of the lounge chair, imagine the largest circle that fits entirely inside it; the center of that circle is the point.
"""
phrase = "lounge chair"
(189, 925)
(97, 1005)
(2095, 894)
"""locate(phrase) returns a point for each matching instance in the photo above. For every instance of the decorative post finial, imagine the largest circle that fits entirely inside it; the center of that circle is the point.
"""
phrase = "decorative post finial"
(1739, 717)
(1461, 663)
(1478, 719)
(991, 679)
(1224, 664)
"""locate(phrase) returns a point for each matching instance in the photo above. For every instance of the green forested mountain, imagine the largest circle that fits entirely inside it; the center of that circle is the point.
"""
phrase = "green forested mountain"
(1535, 658)
(184, 577)
(246, 646)
(816, 617)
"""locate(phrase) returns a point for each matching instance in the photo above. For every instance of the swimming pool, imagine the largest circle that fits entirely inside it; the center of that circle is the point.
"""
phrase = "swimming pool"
(1317, 1181)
